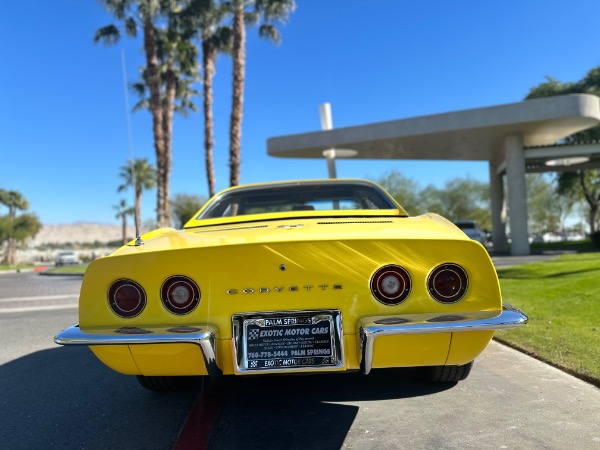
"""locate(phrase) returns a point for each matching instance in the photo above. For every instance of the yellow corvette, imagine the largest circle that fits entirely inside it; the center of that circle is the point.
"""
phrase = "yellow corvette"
(306, 276)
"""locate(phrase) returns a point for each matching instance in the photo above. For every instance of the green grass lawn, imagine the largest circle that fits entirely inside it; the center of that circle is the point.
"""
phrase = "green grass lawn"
(17, 267)
(562, 299)
(69, 269)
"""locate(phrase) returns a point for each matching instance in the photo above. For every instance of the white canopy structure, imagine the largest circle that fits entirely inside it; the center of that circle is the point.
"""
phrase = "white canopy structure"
(513, 138)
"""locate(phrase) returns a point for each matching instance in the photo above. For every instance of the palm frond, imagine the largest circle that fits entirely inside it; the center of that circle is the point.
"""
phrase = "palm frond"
(131, 27)
(269, 32)
(142, 104)
(222, 39)
(117, 8)
(139, 88)
(275, 10)
(107, 35)
(251, 17)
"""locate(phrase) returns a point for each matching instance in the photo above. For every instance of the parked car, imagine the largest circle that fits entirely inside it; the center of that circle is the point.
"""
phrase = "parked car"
(471, 229)
(67, 258)
(554, 236)
(293, 277)
(575, 236)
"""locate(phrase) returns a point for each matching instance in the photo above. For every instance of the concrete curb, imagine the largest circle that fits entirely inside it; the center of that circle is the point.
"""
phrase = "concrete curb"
(52, 274)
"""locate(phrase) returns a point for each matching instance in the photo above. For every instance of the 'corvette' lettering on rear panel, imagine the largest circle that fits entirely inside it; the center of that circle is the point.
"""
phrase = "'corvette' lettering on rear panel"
(279, 289)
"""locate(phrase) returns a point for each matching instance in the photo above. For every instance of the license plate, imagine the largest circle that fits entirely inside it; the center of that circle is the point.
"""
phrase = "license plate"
(288, 341)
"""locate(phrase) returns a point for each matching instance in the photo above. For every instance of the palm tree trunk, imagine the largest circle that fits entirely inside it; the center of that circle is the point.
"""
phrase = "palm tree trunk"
(237, 104)
(208, 62)
(138, 209)
(11, 246)
(168, 113)
(11, 252)
(124, 228)
(153, 79)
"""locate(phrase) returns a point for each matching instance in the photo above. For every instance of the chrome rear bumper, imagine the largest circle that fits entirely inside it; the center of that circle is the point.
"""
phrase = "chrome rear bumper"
(203, 336)
(370, 328)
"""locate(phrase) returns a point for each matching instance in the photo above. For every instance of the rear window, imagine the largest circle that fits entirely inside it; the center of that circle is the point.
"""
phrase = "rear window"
(302, 197)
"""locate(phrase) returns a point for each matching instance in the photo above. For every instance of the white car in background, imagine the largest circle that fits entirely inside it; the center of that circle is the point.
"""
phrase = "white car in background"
(67, 258)
(471, 229)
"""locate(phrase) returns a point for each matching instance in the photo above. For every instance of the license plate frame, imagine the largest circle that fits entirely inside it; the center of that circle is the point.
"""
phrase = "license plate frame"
(288, 341)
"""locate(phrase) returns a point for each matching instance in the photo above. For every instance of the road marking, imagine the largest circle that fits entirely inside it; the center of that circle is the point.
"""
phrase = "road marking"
(38, 298)
(202, 421)
(36, 308)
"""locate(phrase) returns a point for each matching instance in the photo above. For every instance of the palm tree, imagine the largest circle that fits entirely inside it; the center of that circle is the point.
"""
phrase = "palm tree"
(179, 70)
(14, 201)
(213, 43)
(140, 175)
(144, 14)
(16, 228)
(203, 19)
(123, 210)
(251, 12)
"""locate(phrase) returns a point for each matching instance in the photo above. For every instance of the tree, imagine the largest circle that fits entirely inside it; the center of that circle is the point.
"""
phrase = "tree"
(405, 190)
(145, 15)
(543, 206)
(267, 12)
(203, 18)
(16, 228)
(184, 208)
(123, 210)
(583, 185)
(140, 175)
(460, 199)
(577, 184)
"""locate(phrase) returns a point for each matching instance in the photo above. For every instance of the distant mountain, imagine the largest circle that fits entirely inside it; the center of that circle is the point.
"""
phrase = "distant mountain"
(81, 233)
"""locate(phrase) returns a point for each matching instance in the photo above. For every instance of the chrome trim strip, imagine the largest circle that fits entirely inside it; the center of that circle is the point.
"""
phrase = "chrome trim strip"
(371, 328)
(204, 337)
(239, 343)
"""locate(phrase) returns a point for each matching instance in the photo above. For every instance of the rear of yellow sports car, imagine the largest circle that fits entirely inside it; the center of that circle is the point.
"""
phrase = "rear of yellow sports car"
(292, 295)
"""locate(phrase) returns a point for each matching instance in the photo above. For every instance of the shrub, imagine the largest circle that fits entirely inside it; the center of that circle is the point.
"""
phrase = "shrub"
(596, 238)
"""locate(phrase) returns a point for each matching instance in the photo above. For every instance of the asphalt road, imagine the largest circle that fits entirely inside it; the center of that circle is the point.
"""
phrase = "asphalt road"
(60, 397)
(509, 401)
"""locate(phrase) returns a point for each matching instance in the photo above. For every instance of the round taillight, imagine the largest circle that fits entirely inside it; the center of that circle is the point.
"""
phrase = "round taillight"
(447, 283)
(390, 284)
(180, 294)
(126, 298)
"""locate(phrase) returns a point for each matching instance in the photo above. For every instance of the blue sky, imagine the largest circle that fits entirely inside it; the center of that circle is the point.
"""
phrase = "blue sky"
(63, 128)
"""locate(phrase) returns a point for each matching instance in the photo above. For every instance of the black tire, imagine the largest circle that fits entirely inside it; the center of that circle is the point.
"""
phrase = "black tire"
(447, 374)
(167, 384)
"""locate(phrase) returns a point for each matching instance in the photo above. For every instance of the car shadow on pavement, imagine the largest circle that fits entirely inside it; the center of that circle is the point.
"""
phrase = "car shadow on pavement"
(65, 398)
(299, 412)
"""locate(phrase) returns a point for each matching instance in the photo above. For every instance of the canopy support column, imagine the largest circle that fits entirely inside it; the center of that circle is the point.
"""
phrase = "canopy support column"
(497, 203)
(517, 194)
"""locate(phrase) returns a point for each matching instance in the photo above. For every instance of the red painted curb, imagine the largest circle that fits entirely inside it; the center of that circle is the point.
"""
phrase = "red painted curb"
(201, 423)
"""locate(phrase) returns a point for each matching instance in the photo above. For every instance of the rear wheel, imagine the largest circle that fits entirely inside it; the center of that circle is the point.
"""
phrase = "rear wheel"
(447, 374)
(166, 384)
